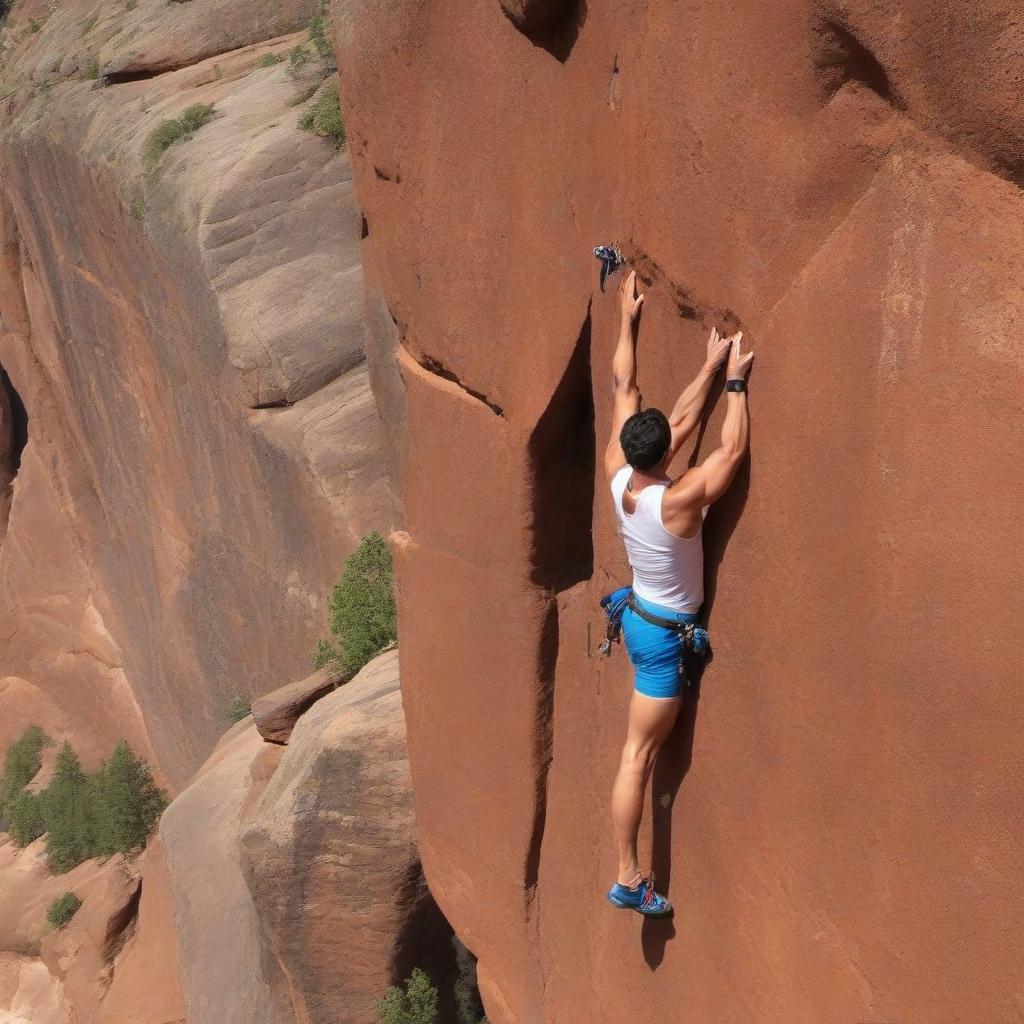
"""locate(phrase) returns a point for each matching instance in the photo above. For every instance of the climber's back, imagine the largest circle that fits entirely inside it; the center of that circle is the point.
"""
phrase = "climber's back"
(668, 570)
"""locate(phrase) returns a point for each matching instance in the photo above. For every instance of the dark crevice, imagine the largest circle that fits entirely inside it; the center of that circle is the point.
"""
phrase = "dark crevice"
(425, 941)
(840, 57)
(139, 74)
(19, 423)
(437, 368)
(393, 176)
(553, 25)
(543, 744)
(562, 453)
(364, 227)
(121, 926)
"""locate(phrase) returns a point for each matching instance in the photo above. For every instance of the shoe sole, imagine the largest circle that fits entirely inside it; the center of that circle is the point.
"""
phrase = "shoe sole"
(626, 906)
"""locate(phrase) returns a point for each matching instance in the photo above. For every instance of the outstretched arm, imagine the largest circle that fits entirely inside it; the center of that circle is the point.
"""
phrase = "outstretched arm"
(627, 394)
(709, 481)
(685, 414)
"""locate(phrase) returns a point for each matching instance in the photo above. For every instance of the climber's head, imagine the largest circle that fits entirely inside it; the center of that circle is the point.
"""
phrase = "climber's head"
(645, 439)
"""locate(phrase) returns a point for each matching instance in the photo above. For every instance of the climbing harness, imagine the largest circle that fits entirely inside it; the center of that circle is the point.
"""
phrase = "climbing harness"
(695, 638)
(611, 259)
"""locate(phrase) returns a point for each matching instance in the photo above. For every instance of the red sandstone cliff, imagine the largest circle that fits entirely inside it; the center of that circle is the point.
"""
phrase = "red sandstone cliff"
(836, 819)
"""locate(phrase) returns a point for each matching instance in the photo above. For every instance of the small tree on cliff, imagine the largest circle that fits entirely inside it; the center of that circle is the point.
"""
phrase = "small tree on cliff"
(416, 1005)
(127, 802)
(362, 606)
(27, 823)
(68, 813)
(23, 760)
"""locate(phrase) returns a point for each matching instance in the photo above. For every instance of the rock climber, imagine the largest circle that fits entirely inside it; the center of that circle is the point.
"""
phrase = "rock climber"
(661, 519)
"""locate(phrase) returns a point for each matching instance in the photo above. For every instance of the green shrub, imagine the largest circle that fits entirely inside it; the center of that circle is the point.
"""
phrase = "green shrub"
(298, 58)
(63, 909)
(268, 60)
(324, 655)
(92, 69)
(416, 1005)
(237, 708)
(68, 814)
(362, 605)
(23, 760)
(130, 5)
(318, 31)
(323, 118)
(34, 24)
(468, 1007)
(183, 127)
(27, 823)
(127, 803)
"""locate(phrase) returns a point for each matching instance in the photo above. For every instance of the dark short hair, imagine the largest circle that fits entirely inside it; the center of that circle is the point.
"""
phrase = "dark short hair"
(645, 438)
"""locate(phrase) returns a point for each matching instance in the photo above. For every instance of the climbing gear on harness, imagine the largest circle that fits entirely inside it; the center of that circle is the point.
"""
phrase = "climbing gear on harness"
(614, 605)
(611, 259)
(643, 899)
(695, 637)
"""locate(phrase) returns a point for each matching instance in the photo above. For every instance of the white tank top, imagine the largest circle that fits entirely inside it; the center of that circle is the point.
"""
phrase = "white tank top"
(667, 569)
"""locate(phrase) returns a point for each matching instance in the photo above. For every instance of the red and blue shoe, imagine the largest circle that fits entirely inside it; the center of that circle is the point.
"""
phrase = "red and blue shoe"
(642, 898)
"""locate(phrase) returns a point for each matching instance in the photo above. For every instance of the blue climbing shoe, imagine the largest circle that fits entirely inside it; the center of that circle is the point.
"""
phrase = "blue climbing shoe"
(643, 899)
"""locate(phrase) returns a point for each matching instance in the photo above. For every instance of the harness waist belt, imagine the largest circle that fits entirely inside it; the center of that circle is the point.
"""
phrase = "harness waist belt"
(657, 620)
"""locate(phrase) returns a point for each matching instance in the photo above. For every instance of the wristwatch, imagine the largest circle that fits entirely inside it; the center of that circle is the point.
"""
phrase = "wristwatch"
(737, 384)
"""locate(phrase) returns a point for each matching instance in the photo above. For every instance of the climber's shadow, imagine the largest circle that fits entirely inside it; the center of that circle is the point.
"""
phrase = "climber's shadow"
(676, 755)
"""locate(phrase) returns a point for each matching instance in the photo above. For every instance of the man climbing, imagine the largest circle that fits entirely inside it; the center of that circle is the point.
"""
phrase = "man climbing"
(660, 520)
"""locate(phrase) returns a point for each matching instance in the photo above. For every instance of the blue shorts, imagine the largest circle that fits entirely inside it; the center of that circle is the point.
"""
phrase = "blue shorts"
(656, 653)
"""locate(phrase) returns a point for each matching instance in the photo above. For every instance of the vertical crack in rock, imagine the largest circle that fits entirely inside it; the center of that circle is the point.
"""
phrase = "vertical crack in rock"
(543, 745)
(13, 432)
(562, 454)
(840, 57)
(121, 925)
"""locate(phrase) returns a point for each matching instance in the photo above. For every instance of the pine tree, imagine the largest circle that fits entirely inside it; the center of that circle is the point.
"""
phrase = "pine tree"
(27, 824)
(416, 1005)
(128, 802)
(68, 814)
(23, 760)
(362, 605)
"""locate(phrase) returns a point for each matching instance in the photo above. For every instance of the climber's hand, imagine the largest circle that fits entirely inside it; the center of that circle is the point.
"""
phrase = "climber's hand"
(739, 365)
(718, 349)
(631, 301)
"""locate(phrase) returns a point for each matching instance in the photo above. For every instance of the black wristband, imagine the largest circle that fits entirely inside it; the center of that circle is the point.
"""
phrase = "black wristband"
(736, 384)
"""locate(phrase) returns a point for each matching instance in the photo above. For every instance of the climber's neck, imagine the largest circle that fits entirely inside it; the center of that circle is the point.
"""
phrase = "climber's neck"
(638, 480)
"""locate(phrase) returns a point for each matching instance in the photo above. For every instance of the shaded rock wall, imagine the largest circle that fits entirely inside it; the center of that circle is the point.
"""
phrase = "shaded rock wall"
(841, 181)
(203, 447)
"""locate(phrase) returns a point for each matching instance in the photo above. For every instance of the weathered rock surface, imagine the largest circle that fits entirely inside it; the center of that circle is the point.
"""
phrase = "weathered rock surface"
(227, 975)
(202, 443)
(146, 986)
(330, 856)
(65, 974)
(843, 182)
(276, 713)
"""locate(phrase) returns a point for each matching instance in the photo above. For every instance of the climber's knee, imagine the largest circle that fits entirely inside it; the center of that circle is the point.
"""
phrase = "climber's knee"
(638, 757)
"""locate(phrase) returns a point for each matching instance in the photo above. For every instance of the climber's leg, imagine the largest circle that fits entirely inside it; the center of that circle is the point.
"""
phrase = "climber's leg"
(650, 721)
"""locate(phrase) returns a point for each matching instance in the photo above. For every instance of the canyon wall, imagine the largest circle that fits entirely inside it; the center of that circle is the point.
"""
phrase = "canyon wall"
(187, 417)
(835, 817)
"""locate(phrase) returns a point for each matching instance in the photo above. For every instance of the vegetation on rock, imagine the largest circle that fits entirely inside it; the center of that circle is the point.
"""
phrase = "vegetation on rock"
(269, 60)
(81, 815)
(62, 909)
(23, 760)
(180, 128)
(237, 708)
(362, 608)
(323, 118)
(417, 1004)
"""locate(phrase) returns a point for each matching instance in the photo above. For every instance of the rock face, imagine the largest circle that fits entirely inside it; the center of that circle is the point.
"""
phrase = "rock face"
(199, 448)
(276, 713)
(330, 856)
(844, 183)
